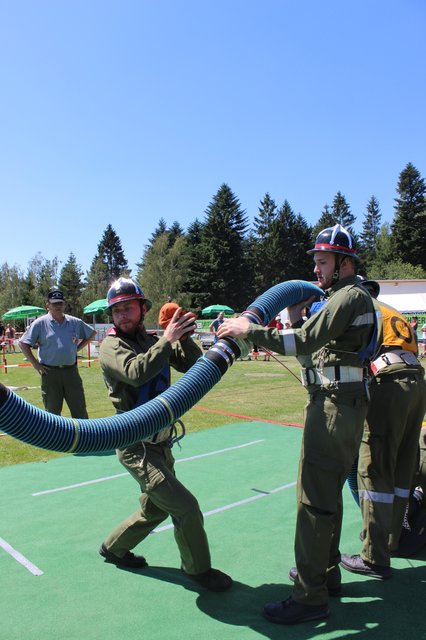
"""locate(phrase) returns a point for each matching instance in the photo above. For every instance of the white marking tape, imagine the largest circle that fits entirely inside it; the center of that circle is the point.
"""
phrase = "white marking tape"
(233, 505)
(121, 475)
(20, 558)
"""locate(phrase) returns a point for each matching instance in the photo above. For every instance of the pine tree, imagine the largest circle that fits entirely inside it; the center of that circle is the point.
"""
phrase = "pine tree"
(97, 282)
(174, 233)
(70, 281)
(294, 241)
(225, 267)
(195, 284)
(265, 243)
(326, 221)
(163, 274)
(158, 231)
(409, 220)
(42, 275)
(384, 252)
(341, 212)
(370, 230)
(12, 284)
(29, 290)
(112, 255)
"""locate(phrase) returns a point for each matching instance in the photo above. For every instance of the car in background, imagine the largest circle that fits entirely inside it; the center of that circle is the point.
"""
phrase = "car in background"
(206, 338)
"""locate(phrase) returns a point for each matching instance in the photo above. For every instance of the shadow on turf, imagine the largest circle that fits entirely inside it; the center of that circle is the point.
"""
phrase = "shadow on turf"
(383, 609)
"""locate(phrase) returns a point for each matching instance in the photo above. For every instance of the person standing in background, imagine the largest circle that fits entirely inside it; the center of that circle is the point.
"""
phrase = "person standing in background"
(58, 337)
(216, 324)
(10, 337)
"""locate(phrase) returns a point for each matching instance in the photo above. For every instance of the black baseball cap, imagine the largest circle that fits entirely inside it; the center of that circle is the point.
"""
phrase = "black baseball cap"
(55, 295)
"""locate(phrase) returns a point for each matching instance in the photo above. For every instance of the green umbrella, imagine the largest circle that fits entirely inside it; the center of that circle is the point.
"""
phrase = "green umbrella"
(214, 309)
(97, 306)
(26, 311)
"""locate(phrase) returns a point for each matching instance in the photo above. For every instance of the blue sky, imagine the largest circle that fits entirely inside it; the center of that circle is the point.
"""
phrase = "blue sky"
(122, 112)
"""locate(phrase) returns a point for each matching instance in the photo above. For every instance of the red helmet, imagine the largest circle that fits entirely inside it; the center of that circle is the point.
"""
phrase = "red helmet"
(125, 289)
(335, 240)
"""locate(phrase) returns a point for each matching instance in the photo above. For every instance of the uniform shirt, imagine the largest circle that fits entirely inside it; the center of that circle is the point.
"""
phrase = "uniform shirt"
(396, 333)
(335, 335)
(128, 363)
(57, 342)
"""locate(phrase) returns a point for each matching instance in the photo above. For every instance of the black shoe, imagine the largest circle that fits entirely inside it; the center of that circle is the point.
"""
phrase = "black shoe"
(357, 565)
(412, 541)
(333, 591)
(128, 560)
(291, 612)
(212, 579)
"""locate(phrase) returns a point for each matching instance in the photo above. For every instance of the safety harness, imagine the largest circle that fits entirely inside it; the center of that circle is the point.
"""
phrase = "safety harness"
(337, 373)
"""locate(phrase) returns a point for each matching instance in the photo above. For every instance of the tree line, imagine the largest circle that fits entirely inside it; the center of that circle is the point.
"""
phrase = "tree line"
(221, 259)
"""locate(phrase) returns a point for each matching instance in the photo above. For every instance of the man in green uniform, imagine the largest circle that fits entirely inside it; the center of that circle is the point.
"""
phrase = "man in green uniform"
(335, 338)
(136, 368)
(389, 448)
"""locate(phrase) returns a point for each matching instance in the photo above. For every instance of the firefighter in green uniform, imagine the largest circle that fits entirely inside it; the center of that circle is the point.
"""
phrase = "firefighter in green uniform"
(389, 448)
(136, 368)
(337, 339)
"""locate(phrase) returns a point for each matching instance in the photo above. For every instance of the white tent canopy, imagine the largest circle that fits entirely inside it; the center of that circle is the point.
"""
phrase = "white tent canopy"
(405, 302)
(407, 296)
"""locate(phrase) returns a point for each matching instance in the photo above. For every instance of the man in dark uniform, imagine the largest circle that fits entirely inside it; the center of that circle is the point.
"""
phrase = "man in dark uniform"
(336, 338)
(136, 368)
(389, 447)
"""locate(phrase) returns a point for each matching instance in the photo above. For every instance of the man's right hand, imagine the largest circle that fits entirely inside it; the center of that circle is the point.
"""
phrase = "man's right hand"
(42, 370)
(234, 327)
(182, 323)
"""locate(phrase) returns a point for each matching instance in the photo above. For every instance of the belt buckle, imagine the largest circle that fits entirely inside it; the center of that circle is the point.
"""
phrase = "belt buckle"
(386, 359)
(309, 371)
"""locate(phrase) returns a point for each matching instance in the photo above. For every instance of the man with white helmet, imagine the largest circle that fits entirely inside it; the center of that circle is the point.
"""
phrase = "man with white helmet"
(333, 346)
(136, 368)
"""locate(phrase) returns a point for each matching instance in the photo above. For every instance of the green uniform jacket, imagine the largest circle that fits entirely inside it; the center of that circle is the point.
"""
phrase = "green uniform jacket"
(128, 363)
(334, 336)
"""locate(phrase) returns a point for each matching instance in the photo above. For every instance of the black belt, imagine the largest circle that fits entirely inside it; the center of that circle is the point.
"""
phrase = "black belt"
(59, 366)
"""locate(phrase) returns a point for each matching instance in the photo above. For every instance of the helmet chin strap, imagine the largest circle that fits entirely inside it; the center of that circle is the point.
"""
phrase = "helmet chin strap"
(337, 262)
(142, 318)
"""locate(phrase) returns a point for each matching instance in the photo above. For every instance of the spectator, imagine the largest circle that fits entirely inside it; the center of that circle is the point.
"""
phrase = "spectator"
(423, 349)
(58, 337)
(10, 338)
(216, 324)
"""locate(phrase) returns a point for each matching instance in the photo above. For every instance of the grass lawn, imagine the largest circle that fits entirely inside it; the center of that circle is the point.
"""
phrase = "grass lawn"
(253, 388)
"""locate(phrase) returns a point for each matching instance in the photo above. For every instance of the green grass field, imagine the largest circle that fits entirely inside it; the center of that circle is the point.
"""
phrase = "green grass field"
(253, 388)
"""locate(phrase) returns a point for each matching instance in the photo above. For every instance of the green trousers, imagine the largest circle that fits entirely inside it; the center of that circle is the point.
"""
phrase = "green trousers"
(387, 460)
(163, 495)
(332, 434)
(420, 476)
(58, 385)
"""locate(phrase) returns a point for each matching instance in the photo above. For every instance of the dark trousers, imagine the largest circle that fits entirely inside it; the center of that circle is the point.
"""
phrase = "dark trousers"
(387, 460)
(333, 429)
(152, 466)
(58, 385)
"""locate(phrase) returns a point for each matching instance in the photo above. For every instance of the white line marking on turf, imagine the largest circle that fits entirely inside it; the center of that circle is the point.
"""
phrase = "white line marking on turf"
(121, 475)
(233, 505)
(20, 558)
